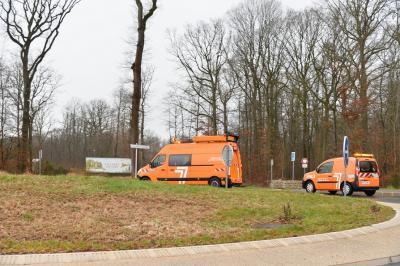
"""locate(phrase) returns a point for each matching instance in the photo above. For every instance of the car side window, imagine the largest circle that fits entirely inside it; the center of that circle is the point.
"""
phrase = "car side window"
(326, 168)
(158, 161)
(180, 160)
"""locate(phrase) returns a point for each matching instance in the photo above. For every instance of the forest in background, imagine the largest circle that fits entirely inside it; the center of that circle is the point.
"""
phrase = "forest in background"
(284, 80)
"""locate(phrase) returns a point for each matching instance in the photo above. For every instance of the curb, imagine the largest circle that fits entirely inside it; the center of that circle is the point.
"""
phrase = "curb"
(82, 257)
(381, 261)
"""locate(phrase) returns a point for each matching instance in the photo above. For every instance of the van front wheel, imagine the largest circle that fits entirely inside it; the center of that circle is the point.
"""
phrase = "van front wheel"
(215, 182)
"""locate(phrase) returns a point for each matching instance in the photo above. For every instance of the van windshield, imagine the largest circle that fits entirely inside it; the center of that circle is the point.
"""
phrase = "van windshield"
(368, 167)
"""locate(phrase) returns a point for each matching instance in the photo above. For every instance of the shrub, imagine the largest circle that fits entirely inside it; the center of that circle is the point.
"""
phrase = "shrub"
(49, 168)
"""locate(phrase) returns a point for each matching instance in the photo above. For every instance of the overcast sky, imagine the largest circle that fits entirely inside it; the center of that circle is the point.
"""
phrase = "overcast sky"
(91, 50)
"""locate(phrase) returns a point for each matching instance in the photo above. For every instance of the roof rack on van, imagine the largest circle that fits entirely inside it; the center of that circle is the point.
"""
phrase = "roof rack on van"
(365, 155)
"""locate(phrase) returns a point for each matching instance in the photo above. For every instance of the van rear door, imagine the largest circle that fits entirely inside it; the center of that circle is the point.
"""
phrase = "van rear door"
(368, 175)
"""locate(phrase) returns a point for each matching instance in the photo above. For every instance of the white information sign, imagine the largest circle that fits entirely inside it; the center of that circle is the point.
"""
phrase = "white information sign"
(109, 165)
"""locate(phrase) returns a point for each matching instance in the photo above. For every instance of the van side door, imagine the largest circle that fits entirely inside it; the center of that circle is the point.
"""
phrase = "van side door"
(324, 177)
(179, 168)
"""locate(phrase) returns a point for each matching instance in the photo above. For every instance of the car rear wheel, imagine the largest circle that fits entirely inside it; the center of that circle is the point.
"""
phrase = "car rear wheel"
(347, 189)
(332, 192)
(310, 188)
(215, 182)
(370, 193)
(145, 178)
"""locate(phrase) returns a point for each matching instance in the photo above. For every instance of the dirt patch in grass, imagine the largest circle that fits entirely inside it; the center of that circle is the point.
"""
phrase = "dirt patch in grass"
(106, 218)
(65, 214)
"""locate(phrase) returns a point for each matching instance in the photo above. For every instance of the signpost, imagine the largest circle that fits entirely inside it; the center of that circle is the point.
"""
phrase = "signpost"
(304, 164)
(227, 156)
(293, 159)
(137, 147)
(346, 152)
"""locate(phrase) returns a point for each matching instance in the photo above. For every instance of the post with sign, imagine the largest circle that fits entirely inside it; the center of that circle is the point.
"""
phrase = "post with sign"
(293, 159)
(137, 147)
(227, 156)
(346, 153)
(304, 164)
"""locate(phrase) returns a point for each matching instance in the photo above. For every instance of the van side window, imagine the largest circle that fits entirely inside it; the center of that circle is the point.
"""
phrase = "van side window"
(180, 160)
(326, 168)
(158, 161)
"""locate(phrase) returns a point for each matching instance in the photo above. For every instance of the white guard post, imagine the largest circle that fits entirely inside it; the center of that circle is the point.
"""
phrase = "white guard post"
(137, 147)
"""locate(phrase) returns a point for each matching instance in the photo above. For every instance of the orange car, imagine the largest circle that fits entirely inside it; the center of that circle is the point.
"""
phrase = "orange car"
(362, 175)
(196, 163)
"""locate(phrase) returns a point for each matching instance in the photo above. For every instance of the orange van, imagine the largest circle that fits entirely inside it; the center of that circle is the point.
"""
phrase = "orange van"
(196, 163)
(362, 175)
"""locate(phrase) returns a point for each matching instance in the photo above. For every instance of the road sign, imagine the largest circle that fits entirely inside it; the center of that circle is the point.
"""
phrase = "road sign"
(304, 163)
(137, 147)
(346, 144)
(140, 147)
(346, 151)
(227, 155)
(272, 162)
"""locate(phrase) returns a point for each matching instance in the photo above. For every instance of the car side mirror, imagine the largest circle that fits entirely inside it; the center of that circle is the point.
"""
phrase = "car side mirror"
(317, 170)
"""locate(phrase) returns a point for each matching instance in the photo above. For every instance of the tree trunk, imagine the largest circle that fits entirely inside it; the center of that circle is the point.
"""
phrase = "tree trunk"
(24, 148)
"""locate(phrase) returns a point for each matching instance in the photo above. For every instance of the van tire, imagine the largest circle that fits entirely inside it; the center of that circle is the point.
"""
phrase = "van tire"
(370, 193)
(348, 188)
(214, 182)
(145, 178)
(310, 187)
(333, 192)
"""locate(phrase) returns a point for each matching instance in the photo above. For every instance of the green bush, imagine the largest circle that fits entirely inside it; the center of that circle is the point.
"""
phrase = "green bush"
(49, 168)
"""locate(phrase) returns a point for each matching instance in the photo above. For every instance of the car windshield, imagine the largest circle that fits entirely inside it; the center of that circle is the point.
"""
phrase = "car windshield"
(368, 167)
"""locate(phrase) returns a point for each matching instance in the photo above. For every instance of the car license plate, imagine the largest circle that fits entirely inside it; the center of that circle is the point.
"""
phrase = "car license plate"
(365, 183)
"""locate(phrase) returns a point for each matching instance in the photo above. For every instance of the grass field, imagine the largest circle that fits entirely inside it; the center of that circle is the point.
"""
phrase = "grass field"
(65, 214)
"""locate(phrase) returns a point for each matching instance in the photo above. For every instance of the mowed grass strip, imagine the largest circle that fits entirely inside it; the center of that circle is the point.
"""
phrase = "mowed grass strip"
(79, 213)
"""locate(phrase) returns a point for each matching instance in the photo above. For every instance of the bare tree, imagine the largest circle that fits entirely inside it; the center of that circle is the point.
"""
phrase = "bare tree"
(201, 54)
(32, 25)
(364, 24)
(142, 19)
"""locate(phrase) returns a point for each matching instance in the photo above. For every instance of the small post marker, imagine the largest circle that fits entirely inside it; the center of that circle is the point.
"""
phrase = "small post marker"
(272, 168)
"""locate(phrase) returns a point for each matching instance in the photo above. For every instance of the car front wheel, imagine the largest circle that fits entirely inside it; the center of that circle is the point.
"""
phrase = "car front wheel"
(347, 189)
(310, 188)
